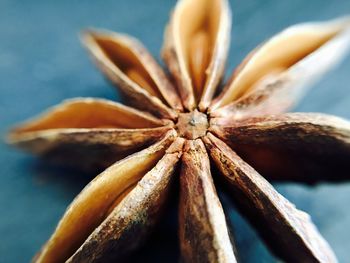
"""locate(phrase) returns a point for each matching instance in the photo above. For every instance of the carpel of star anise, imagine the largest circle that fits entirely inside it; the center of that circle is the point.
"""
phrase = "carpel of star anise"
(176, 131)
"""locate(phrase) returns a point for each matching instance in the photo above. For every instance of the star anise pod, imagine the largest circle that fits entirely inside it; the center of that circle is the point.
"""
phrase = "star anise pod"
(177, 129)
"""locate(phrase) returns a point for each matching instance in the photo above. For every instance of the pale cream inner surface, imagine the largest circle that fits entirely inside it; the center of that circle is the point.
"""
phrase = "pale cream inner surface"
(128, 62)
(197, 28)
(86, 113)
(277, 55)
(95, 202)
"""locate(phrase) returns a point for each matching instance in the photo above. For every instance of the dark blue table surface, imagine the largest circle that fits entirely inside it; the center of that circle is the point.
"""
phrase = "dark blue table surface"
(42, 63)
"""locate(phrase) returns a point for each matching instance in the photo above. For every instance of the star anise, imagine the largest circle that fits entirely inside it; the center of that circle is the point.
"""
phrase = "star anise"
(180, 129)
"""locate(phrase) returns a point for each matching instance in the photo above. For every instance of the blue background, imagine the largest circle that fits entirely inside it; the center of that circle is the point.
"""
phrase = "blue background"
(42, 63)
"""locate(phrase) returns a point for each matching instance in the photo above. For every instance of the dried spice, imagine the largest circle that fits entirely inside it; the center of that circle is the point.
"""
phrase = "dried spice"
(176, 127)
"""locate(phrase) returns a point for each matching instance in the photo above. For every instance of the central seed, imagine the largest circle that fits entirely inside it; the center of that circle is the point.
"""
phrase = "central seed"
(192, 125)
